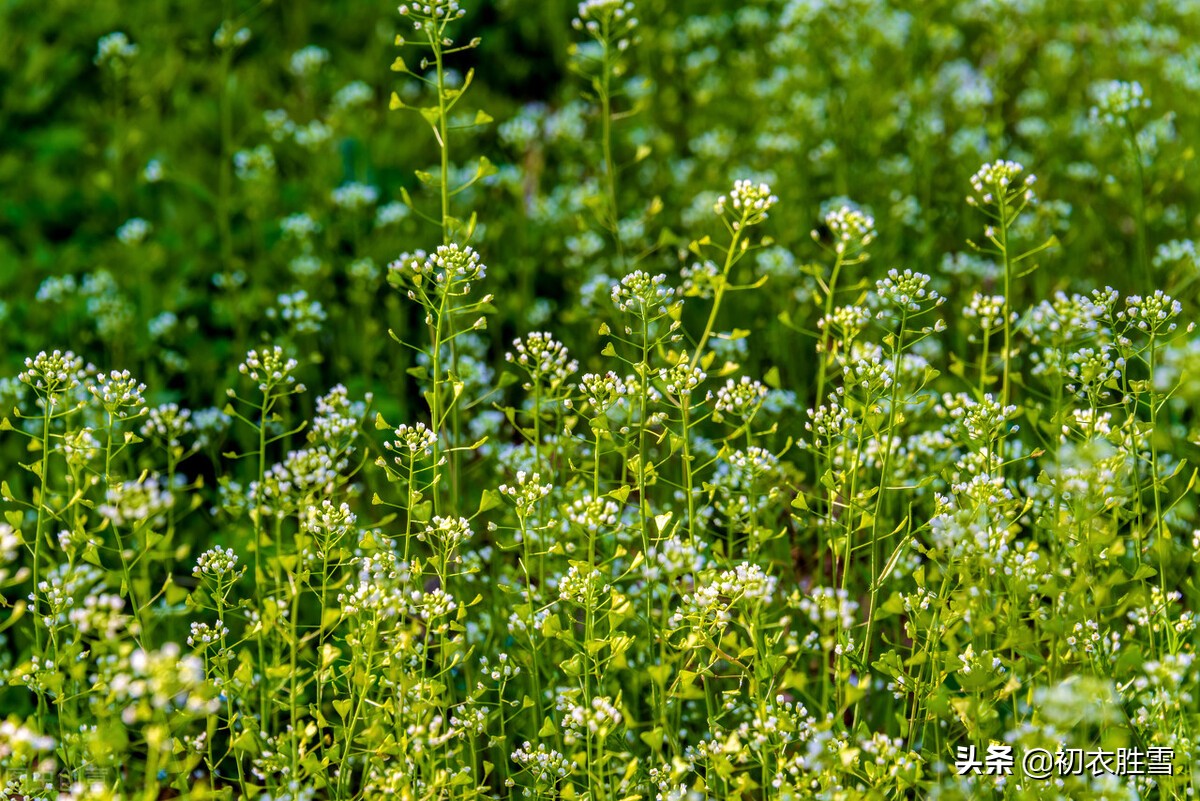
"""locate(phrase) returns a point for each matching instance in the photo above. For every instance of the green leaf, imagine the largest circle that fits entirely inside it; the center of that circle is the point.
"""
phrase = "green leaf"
(421, 512)
(399, 66)
(653, 738)
(395, 103)
(621, 494)
(490, 499)
(1143, 572)
(431, 115)
(18, 612)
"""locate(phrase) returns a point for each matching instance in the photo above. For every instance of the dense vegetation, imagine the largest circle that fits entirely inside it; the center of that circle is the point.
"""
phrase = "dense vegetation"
(667, 399)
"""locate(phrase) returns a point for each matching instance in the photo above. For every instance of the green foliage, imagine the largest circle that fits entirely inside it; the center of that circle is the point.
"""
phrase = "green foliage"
(639, 461)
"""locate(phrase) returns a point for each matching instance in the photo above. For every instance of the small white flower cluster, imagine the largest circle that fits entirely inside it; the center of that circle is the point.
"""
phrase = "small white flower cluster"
(166, 679)
(411, 441)
(543, 357)
(907, 291)
(101, 615)
(168, 423)
(741, 399)
(136, 501)
(271, 369)
(682, 379)
(114, 50)
(602, 392)
(300, 227)
(986, 660)
(577, 719)
(1089, 369)
(15, 738)
(1152, 314)
(592, 514)
(309, 136)
(352, 95)
(712, 601)
(580, 587)
(215, 563)
(431, 605)
(211, 424)
(547, 765)
(338, 417)
(445, 534)
(133, 231)
(302, 472)
(255, 165)
(867, 371)
(327, 523)
(303, 316)
(9, 545)
(203, 634)
(53, 374)
(354, 196)
(1177, 254)
(372, 598)
(503, 669)
(526, 493)
(79, 447)
(749, 202)
(307, 60)
(449, 266)
(987, 311)
(674, 557)
(830, 425)
(117, 391)
(1001, 183)
(847, 322)
(391, 214)
(1116, 101)
(851, 229)
(975, 421)
(227, 36)
(471, 718)
(642, 294)
(699, 280)
(431, 13)
(607, 21)
(825, 605)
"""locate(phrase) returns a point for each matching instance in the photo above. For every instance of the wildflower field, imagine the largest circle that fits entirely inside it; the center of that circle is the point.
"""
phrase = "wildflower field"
(630, 400)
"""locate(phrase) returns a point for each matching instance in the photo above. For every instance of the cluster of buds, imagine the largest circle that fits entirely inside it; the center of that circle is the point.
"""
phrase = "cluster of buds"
(746, 205)
(851, 230)
(607, 21)
(1002, 185)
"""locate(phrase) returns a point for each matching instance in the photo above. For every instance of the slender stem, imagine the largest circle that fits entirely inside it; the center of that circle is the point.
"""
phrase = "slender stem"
(1008, 269)
(610, 167)
(720, 294)
(885, 476)
(823, 358)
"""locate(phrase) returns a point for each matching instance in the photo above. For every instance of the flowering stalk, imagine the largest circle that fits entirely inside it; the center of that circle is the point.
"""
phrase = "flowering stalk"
(744, 207)
(610, 23)
(851, 232)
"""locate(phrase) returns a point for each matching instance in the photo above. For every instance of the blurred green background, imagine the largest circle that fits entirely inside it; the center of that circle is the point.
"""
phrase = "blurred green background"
(892, 105)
